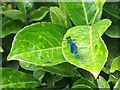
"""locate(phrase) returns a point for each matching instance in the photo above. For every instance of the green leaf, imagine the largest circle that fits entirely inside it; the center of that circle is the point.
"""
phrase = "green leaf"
(39, 74)
(1, 50)
(91, 48)
(99, 3)
(12, 26)
(112, 8)
(102, 83)
(64, 69)
(42, 47)
(24, 6)
(115, 65)
(111, 11)
(112, 79)
(59, 17)
(82, 86)
(15, 15)
(85, 82)
(117, 85)
(69, 71)
(15, 79)
(38, 14)
(81, 13)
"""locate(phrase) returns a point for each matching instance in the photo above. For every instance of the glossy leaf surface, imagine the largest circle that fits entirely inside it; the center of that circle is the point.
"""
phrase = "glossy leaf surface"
(15, 15)
(59, 17)
(117, 85)
(38, 14)
(39, 44)
(81, 13)
(91, 49)
(12, 26)
(102, 83)
(85, 82)
(115, 64)
(111, 11)
(15, 79)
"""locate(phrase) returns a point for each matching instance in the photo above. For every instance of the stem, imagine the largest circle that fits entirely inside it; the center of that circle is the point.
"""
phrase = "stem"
(96, 14)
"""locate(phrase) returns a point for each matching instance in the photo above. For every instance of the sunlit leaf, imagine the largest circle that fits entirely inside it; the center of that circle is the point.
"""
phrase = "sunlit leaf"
(91, 49)
(99, 3)
(117, 85)
(115, 64)
(16, 79)
(38, 44)
(1, 50)
(102, 83)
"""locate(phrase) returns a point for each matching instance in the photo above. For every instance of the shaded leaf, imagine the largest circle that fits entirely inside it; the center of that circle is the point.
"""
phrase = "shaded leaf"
(112, 79)
(42, 47)
(117, 85)
(81, 13)
(102, 83)
(24, 6)
(91, 48)
(38, 14)
(82, 86)
(115, 65)
(15, 15)
(69, 71)
(1, 50)
(59, 17)
(12, 26)
(39, 74)
(85, 82)
(111, 11)
(15, 79)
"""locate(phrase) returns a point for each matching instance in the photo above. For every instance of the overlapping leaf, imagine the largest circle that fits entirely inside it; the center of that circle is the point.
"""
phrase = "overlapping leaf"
(15, 79)
(82, 12)
(39, 44)
(91, 48)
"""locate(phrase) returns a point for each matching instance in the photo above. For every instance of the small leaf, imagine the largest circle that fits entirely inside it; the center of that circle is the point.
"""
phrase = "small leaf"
(38, 14)
(69, 71)
(39, 74)
(102, 83)
(112, 79)
(12, 26)
(92, 52)
(24, 6)
(14, 14)
(115, 65)
(85, 82)
(42, 47)
(15, 79)
(81, 86)
(117, 85)
(1, 50)
(99, 3)
(58, 17)
(81, 13)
